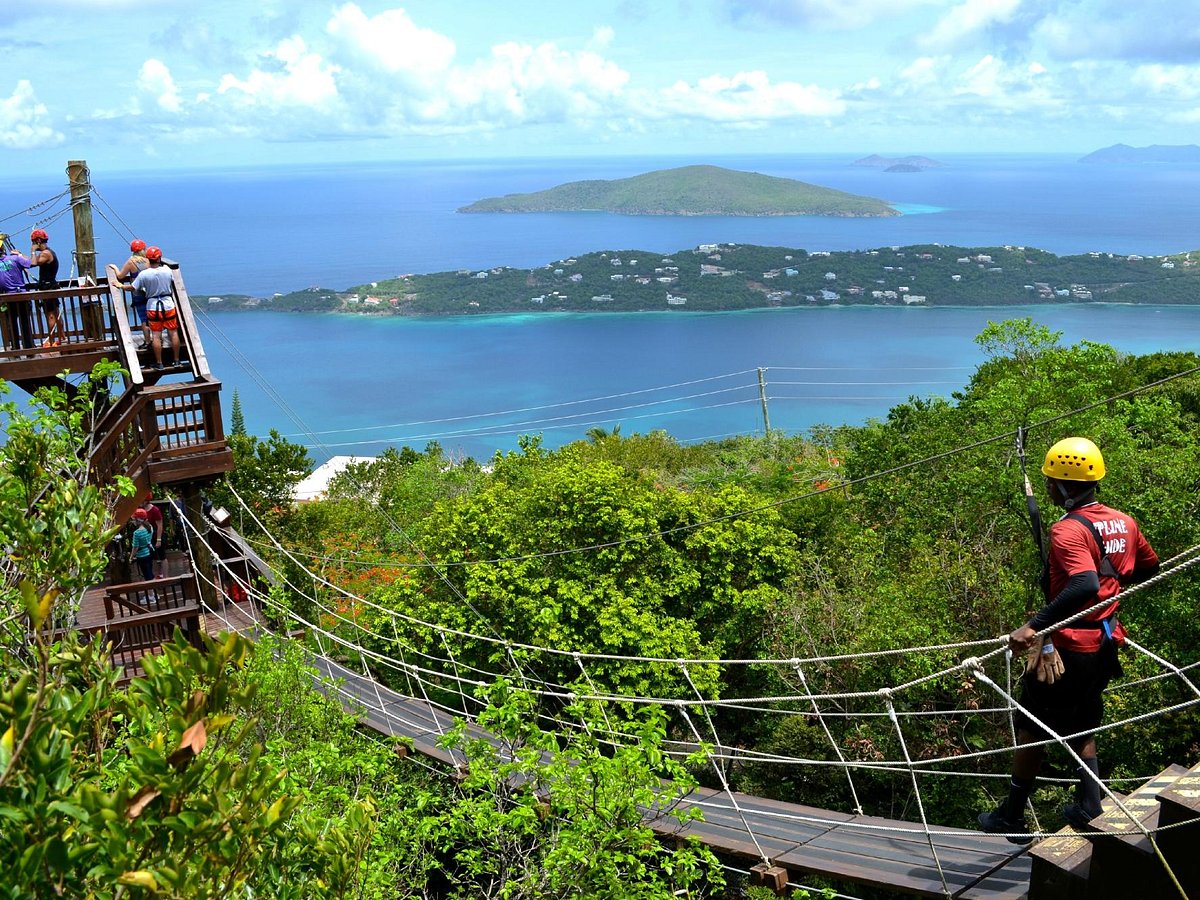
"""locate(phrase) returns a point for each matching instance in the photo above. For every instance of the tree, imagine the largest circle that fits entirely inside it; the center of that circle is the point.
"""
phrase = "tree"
(265, 473)
(237, 420)
(540, 814)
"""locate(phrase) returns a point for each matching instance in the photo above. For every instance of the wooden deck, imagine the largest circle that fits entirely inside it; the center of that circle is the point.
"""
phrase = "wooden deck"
(138, 617)
(862, 849)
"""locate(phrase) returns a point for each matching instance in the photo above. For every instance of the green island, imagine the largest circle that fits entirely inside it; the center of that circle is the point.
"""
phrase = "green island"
(690, 191)
(719, 277)
(898, 163)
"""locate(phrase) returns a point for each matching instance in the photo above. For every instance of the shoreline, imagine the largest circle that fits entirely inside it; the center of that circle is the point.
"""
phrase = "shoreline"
(729, 277)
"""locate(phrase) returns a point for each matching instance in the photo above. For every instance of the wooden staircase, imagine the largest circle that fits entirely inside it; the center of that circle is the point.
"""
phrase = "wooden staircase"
(161, 427)
(1118, 861)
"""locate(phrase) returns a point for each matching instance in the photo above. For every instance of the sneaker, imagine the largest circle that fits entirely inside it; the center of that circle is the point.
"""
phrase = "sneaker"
(157, 367)
(995, 822)
(1079, 817)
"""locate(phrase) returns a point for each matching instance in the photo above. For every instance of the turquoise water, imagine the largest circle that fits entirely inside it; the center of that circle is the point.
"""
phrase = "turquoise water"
(354, 385)
(917, 209)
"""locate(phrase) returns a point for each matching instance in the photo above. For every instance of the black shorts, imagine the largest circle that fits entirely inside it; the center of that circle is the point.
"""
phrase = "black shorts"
(1074, 704)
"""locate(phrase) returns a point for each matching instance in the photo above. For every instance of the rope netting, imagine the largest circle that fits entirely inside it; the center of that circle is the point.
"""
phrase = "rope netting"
(380, 642)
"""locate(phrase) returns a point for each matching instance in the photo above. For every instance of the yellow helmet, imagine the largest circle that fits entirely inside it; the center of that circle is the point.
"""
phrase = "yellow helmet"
(1074, 459)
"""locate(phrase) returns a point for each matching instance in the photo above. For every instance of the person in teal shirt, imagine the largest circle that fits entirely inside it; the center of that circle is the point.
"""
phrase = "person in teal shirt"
(142, 541)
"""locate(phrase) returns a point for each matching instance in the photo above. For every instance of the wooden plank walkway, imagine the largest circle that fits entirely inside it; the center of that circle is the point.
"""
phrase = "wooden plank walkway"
(881, 853)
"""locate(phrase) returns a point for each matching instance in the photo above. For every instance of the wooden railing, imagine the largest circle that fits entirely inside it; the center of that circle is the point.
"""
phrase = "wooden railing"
(86, 313)
(161, 433)
(141, 616)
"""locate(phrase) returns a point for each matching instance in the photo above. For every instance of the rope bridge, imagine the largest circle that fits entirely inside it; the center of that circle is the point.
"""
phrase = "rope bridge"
(433, 689)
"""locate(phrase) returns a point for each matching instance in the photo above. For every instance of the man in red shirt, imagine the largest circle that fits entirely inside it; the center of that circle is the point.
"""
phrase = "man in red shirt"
(154, 517)
(1094, 550)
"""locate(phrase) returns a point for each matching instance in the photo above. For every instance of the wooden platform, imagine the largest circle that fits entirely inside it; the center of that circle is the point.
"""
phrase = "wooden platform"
(861, 849)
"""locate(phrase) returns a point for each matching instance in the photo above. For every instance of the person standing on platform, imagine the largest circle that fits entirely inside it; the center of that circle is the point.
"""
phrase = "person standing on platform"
(136, 263)
(141, 549)
(17, 318)
(47, 280)
(1094, 551)
(156, 283)
(154, 519)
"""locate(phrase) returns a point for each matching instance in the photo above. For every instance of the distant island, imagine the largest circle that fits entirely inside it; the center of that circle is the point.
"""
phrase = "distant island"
(898, 163)
(719, 277)
(690, 191)
(1123, 154)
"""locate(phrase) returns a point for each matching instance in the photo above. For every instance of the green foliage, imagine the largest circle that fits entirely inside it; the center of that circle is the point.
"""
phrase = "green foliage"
(264, 473)
(154, 792)
(160, 790)
(538, 814)
(642, 591)
(747, 276)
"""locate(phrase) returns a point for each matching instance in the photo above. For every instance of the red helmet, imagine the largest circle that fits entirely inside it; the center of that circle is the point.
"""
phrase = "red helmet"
(140, 514)
(38, 235)
(137, 245)
(153, 253)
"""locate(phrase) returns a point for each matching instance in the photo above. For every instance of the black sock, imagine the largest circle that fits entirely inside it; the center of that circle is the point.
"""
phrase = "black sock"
(1019, 791)
(1087, 793)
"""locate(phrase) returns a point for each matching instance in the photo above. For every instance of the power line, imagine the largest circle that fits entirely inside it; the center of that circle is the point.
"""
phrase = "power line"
(523, 409)
(524, 427)
(776, 504)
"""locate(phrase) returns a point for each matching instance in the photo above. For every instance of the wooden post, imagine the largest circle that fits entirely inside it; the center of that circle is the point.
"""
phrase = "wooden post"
(85, 245)
(202, 557)
(770, 876)
(81, 208)
(762, 398)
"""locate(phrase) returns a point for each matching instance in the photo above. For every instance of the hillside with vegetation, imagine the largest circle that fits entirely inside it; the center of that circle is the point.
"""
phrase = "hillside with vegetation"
(690, 191)
(1125, 155)
(225, 769)
(716, 277)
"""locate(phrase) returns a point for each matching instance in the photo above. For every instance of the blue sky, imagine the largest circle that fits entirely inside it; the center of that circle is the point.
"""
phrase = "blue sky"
(170, 84)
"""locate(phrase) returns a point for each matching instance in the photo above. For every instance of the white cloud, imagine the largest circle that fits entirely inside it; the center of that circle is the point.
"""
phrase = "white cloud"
(520, 83)
(28, 121)
(155, 78)
(602, 37)
(391, 41)
(966, 21)
(1181, 82)
(1113, 30)
(747, 97)
(291, 76)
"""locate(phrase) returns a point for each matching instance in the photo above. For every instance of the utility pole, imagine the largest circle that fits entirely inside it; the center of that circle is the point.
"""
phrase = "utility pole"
(762, 398)
(81, 208)
(85, 245)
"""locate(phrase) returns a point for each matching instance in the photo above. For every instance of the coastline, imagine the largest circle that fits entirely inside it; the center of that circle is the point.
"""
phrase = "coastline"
(742, 277)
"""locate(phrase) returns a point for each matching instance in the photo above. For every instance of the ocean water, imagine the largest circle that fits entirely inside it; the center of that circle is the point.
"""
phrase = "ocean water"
(345, 384)
(349, 385)
(262, 230)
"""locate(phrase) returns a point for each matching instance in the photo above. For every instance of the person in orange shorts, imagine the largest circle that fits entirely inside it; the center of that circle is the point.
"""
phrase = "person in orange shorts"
(156, 283)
